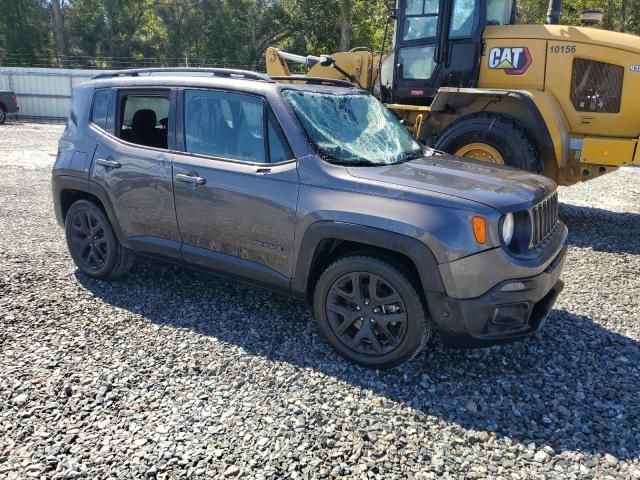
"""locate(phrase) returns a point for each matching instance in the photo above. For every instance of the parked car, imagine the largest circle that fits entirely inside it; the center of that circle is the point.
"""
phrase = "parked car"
(8, 104)
(312, 189)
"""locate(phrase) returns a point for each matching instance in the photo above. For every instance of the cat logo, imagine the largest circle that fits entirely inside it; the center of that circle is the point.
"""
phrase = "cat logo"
(513, 60)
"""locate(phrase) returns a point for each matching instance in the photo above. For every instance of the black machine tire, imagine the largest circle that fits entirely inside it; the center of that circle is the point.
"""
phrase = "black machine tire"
(92, 243)
(395, 331)
(507, 136)
(3, 114)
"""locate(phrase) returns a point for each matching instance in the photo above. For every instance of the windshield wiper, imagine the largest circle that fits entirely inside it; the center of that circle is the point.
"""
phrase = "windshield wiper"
(360, 163)
(409, 156)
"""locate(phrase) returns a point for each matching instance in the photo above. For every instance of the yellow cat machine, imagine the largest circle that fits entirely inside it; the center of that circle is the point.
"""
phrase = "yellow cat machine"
(466, 79)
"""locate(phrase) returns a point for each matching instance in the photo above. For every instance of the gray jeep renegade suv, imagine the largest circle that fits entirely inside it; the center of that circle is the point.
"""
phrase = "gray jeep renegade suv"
(313, 189)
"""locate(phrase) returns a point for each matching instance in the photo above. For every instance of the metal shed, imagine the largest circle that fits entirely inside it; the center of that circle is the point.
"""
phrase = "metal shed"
(44, 94)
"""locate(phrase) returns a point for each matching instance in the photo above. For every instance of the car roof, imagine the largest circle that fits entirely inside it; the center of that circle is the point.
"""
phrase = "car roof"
(262, 86)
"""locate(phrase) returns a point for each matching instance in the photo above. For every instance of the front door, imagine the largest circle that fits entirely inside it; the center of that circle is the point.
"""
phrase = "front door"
(236, 187)
(132, 163)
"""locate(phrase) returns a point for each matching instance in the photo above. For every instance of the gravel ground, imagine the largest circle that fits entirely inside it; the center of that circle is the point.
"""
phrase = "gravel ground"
(174, 374)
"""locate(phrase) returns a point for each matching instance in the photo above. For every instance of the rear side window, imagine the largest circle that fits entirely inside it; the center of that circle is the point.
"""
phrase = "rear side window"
(100, 108)
(231, 125)
(144, 119)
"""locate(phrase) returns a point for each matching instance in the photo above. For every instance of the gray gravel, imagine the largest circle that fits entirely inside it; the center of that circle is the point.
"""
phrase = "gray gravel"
(174, 374)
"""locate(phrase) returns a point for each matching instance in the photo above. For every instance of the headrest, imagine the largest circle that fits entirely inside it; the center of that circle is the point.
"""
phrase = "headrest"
(144, 120)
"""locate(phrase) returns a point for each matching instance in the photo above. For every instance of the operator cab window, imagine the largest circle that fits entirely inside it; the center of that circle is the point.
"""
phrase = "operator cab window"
(420, 24)
(464, 18)
(144, 119)
(233, 126)
(500, 12)
(421, 19)
(418, 63)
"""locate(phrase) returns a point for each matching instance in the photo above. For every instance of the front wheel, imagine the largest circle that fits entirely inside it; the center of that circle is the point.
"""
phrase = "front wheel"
(370, 312)
(492, 138)
(92, 243)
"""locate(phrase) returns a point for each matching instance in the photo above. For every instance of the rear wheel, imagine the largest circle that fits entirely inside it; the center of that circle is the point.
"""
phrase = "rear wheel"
(492, 138)
(92, 243)
(3, 115)
(370, 312)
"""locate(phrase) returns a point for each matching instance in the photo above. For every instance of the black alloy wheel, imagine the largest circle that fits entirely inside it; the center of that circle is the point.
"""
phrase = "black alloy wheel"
(366, 313)
(370, 311)
(3, 115)
(89, 241)
(93, 244)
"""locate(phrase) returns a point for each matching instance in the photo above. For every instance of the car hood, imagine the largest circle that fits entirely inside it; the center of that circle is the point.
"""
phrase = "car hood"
(503, 188)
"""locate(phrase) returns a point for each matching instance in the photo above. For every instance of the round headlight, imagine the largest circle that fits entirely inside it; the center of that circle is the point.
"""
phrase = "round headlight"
(508, 226)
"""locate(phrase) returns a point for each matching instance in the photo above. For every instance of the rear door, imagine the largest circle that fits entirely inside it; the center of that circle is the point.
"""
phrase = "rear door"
(236, 186)
(133, 165)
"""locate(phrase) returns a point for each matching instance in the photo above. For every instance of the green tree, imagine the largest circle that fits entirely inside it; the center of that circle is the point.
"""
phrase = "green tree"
(24, 33)
(115, 32)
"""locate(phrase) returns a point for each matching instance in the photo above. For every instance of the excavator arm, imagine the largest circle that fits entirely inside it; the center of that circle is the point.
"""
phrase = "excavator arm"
(358, 66)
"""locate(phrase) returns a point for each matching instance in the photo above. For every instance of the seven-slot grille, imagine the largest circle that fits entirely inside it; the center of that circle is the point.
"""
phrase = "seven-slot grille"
(544, 218)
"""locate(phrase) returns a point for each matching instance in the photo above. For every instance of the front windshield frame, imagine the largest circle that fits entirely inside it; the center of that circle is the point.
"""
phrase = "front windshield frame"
(353, 153)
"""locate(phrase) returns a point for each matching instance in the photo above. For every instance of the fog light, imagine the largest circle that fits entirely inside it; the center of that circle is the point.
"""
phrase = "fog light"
(514, 287)
(513, 315)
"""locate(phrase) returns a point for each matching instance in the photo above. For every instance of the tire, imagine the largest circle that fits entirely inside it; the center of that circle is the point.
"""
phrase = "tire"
(3, 115)
(92, 243)
(396, 330)
(508, 137)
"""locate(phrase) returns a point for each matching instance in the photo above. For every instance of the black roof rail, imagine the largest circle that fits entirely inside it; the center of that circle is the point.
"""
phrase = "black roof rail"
(316, 81)
(216, 72)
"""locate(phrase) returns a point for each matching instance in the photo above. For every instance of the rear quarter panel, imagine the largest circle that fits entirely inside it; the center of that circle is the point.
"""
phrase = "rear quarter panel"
(76, 147)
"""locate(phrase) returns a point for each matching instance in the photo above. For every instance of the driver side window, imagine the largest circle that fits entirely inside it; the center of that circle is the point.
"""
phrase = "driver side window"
(232, 126)
(223, 124)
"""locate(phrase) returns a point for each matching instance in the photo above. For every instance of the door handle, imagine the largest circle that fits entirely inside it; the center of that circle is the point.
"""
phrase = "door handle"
(108, 163)
(180, 177)
(263, 171)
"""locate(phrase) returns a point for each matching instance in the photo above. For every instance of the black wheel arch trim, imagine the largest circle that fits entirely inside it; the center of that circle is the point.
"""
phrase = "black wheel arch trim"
(419, 253)
(465, 97)
(62, 183)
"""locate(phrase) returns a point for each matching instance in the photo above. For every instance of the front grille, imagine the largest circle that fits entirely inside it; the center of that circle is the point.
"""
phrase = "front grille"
(596, 86)
(544, 218)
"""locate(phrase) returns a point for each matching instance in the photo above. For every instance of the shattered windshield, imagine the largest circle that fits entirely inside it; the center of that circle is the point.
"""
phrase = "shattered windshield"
(352, 129)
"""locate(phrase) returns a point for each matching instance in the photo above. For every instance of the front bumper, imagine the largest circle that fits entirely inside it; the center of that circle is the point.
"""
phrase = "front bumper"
(499, 315)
